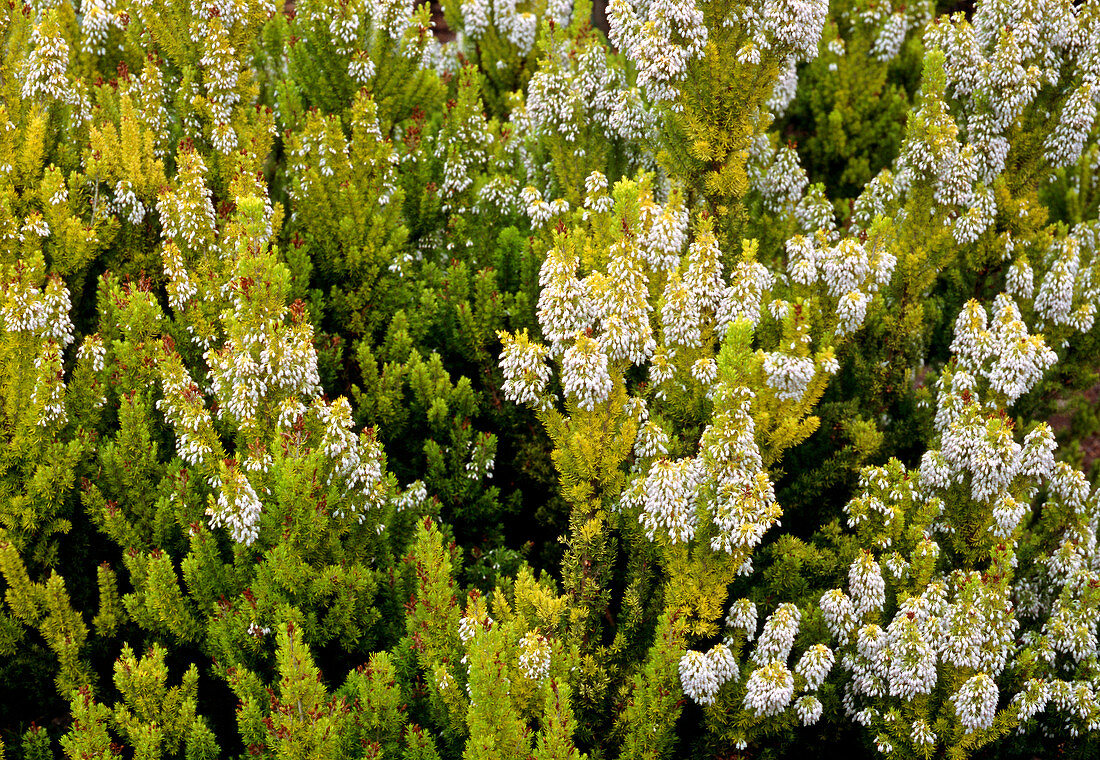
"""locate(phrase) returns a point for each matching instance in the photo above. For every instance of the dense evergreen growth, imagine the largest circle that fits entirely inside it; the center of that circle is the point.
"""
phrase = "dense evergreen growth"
(715, 388)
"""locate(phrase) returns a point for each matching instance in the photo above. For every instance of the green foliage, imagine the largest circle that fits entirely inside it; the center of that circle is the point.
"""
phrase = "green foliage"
(372, 388)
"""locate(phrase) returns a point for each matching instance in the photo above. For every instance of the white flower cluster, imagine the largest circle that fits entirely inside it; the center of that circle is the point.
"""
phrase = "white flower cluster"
(187, 213)
(596, 197)
(238, 507)
(412, 497)
(652, 441)
(357, 459)
(669, 499)
(1015, 50)
(1070, 291)
(221, 71)
(702, 675)
(93, 350)
(518, 27)
(866, 584)
(851, 272)
(577, 91)
(394, 16)
(789, 26)
(664, 232)
(788, 375)
(584, 372)
(1011, 359)
(808, 709)
(980, 446)
(814, 665)
(839, 614)
(777, 637)
(620, 300)
(275, 362)
(1066, 142)
(661, 37)
(180, 287)
(41, 312)
(185, 410)
(750, 282)
(976, 703)
(500, 195)
(957, 173)
(910, 646)
(149, 98)
(126, 203)
(742, 615)
(537, 209)
(534, 657)
(564, 306)
(46, 72)
(466, 139)
(745, 506)
(524, 366)
(779, 178)
(475, 620)
(769, 689)
(48, 393)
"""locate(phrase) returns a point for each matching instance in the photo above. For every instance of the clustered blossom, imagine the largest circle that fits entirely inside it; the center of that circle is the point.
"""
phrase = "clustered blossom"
(45, 72)
(185, 410)
(664, 233)
(702, 675)
(662, 38)
(742, 615)
(180, 287)
(1068, 294)
(596, 197)
(576, 92)
(524, 366)
(237, 508)
(187, 213)
(468, 139)
(564, 307)
(979, 447)
(585, 375)
(788, 375)
(976, 703)
(744, 299)
(357, 459)
(620, 300)
(808, 709)
(669, 499)
(1006, 354)
(652, 441)
(851, 271)
(866, 583)
(517, 27)
(779, 177)
(93, 350)
(775, 173)
(261, 365)
(769, 689)
(744, 497)
(790, 27)
(534, 657)
(42, 312)
(48, 394)
(777, 637)
(814, 666)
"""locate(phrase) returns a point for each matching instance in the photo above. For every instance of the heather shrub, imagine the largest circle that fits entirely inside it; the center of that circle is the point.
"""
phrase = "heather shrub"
(481, 383)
